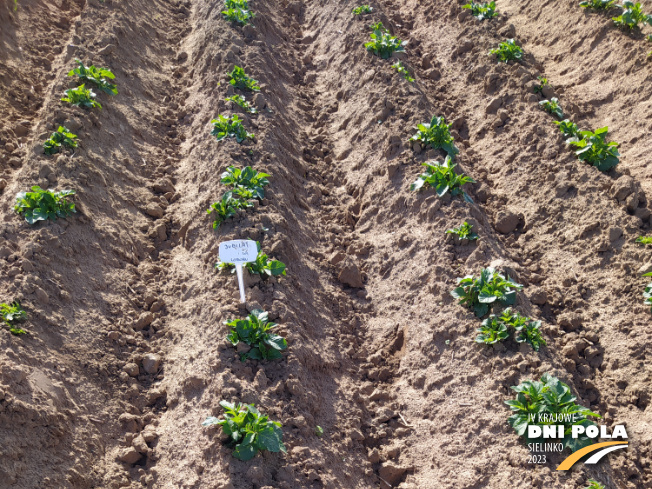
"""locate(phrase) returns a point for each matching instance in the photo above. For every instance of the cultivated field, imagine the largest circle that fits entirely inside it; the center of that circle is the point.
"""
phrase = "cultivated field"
(382, 383)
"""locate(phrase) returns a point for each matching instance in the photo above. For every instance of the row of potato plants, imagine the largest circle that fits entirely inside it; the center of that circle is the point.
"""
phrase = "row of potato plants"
(40, 204)
(492, 289)
(248, 431)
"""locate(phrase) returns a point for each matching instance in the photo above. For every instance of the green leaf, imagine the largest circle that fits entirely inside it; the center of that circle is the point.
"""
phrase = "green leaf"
(244, 452)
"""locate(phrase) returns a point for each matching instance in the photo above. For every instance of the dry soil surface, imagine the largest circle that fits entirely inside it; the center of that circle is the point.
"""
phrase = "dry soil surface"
(126, 352)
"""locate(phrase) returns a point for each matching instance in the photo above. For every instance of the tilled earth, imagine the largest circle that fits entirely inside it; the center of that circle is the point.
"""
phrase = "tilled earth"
(126, 353)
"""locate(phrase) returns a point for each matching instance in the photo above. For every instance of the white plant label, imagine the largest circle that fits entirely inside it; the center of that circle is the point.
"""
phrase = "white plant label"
(239, 252)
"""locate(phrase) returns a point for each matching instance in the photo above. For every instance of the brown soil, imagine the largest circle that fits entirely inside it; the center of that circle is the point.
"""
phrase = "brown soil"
(390, 370)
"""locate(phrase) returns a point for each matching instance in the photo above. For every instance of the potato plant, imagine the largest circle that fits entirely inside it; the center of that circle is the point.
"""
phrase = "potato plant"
(644, 240)
(526, 330)
(594, 149)
(543, 82)
(226, 208)
(256, 331)
(481, 11)
(248, 430)
(552, 107)
(464, 231)
(508, 51)
(436, 135)
(442, 177)
(598, 4)
(237, 11)
(248, 179)
(481, 293)
(81, 97)
(492, 330)
(550, 396)
(230, 127)
(647, 292)
(594, 484)
(40, 205)
(241, 102)
(568, 128)
(398, 66)
(382, 43)
(62, 137)
(264, 266)
(632, 15)
(362, 9)
(11, 315)
(97, 76)
(239, 79)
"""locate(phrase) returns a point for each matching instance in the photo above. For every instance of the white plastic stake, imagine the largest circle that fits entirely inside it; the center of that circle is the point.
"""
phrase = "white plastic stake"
(239, 252)
(238, 271)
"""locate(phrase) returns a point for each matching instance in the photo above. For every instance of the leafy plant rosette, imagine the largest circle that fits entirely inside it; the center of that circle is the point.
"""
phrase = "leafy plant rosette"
(632, 15)
(436, 135)
(246, 178)
(594, 149)
(549, 396)
(239, 79)
(489, 289)
(248, 430)
(647, 292)
(263, 266)
(256, 331)
(442, 177)
(237, 11)
(40, 205)
(97, 76)
(62, 137)
(382, 43)
(464, 231)
(594, 484)
(491, 331)
(11, 315)
(226, 208)
(552, 107)
(508, 51)
(481, 11)
(598, 4)
(230, 127)
(81, 97)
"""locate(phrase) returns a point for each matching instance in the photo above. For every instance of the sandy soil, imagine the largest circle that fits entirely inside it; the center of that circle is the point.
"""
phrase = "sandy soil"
(126, 353)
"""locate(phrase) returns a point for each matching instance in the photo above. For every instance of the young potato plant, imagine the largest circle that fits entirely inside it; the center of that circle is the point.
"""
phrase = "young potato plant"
(256, 331)
(644, 240)
(241, 102)
(398, 66)
(40, 205)
(248, 179)
(382, 43)
(230, 127)
(492, 330)
(437, 135)
(248, 430)
(82, 97)
(552, 107)
(489, 289)
(508, 51)
(237, 11)
(62, 137)
(362, 9)
(226, 208)
(442, 177)
(568, 128)
(239, 79)
(263, 266)
(11, 315)
(549, 396)
(594, 149)
(482, 11)
(464, 231)
(594, 484)
(526, 330)
(543, 82)
(632, 15)
(647, 292)
(97, 76)
(598, 4)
